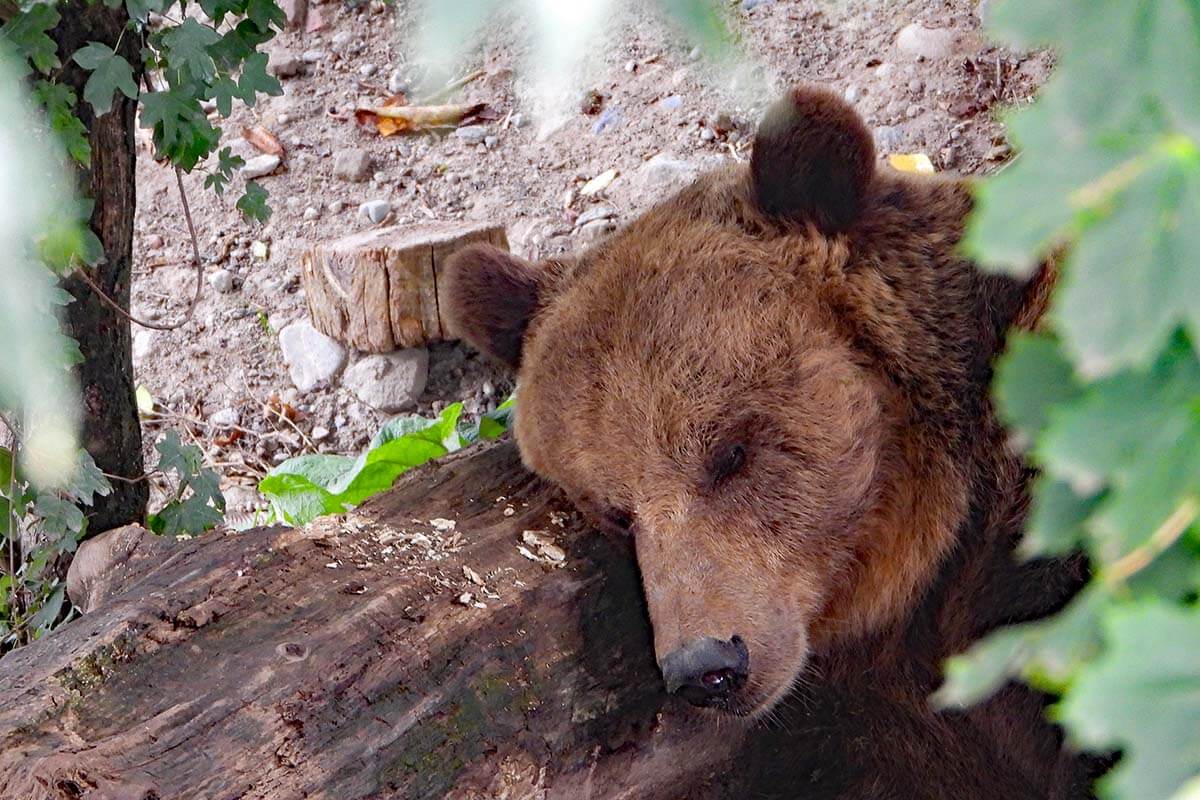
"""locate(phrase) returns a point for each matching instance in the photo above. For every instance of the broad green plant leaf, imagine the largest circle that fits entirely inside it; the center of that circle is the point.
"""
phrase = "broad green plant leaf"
(111, 73)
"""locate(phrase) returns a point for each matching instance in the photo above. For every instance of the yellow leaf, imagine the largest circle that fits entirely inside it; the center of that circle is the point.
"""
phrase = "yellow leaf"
(145, 401)
(911, 162)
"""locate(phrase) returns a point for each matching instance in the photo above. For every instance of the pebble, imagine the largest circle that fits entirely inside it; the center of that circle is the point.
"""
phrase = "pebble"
(285, 64)
(367, 70)
(630, 66)
(706, 134)
(336, 207)
(341, 40)
(259, 250)
(916, 40)
(912, 111)
(596, 229)
(319, 433)
(852, 93)
(352, 165)
(396, 83)
(670, 102)
(599, 183)
(313, 56)
(154, 241)
(472, 134)
(490, 141)
(313, 358)
(379, 177)
(260, 166)
(664, 174)
(221, 281)
(389, 382)
(609, 118)
(375, 210)
(517, 120)
(311, 213)
(750, 5)
(225, 418)
(143, 342)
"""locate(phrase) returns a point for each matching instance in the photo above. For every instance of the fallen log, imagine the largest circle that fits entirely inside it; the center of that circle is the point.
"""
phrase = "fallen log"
(382, 654)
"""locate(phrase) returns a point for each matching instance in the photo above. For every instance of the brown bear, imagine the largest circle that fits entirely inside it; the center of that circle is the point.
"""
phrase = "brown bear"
(776, 382)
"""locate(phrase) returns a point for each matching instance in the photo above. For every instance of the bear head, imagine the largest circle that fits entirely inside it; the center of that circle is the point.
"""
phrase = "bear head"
(769, 381)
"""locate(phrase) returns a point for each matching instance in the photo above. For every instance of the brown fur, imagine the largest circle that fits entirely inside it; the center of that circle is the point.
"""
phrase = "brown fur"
(815, 312)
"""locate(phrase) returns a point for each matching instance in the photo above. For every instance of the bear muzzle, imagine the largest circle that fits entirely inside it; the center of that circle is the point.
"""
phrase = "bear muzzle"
(706, 671)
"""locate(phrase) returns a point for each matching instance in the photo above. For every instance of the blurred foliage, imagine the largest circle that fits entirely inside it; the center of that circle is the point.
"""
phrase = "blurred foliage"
(196, 504)
(1107, 395)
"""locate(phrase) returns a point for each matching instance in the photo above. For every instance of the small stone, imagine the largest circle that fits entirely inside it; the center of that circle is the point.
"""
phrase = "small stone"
(379, 177)
(319, 433)
(260, 166)
(490, 141)
(311, 213)
(342, 40)
(670, 102)
(313, 56)
(915, 86)
(630, 66)
(594, 213)
(596, 229)
(225, 418)
(312, 357)
(143, 342)
(259, 250)
(221, 281)
(396, 83)
(664, 174)
(336, 207)
(285, 64)
(352, 165)
(916, 40)
(367, 70)
(153, 241)
(912, 111)
(885, 70)
(852, 93)
(375, 210)
(998, 152)
(488, 388)
(472, 134)
(706, 134)
(609, 118)
(517, 120)
(390, 382)
(750, 5)
(694, 54)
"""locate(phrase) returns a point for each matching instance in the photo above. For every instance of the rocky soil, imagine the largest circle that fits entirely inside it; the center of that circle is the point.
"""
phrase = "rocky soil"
(253, 383)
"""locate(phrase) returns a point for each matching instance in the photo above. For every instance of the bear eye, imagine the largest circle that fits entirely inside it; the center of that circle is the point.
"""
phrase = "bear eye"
(726, 462)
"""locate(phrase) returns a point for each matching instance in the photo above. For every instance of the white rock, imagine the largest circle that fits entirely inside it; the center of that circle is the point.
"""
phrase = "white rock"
(311, 213)
(312, 357)
(396, 82)
(143, 343)
(313, 56)
(352, 165)
(917, 40)
(225, 418)
(285, 64)
(320, 433)
(260, 166)
(389, 382)
(367, 70)
(221, 280)
(375, 210)
(472, 134)
(663, 174)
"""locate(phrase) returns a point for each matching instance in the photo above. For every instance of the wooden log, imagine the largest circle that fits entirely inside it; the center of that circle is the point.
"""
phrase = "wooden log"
(377, 290)
(361, 657)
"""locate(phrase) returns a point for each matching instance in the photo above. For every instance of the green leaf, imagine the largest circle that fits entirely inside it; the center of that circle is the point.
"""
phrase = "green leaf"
(1139, 434)
(218, 9)
(253, 203)
(60, 519)
(6, 470)
(87, 482)
(182, 132)
(1143, 253)
(27, 32)
(1056, 526)
(1032, 378)
(1174, 67)
(110, 73)
(227, 163)
(1143, 696)
(186, 46)
(266, 14)
(255, 78)
(59, 102)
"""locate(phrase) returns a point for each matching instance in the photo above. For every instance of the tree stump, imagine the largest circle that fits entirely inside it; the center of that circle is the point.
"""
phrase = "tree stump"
(377, 655)
(377, 291)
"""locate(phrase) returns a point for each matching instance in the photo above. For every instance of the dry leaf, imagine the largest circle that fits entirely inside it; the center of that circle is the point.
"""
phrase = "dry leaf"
(263, 140)
(471, 575)
(396, 117)
(911, 162)
(536, 538)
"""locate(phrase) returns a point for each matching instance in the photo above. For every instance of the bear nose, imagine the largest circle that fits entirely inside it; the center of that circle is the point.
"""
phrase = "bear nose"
(707, 671)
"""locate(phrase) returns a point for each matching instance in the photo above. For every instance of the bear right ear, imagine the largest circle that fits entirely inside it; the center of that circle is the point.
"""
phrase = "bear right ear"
(491, 295)
(813, 160)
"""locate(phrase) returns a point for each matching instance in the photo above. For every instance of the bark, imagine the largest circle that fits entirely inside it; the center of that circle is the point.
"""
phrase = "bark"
(344, 661)
(377, 291)
(111, 431)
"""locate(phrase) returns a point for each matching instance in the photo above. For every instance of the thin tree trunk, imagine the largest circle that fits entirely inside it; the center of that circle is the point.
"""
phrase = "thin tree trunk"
(111, 430)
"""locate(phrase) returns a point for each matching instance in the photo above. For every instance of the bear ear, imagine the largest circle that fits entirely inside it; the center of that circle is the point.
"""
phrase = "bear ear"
(491, 295)
(813, 160)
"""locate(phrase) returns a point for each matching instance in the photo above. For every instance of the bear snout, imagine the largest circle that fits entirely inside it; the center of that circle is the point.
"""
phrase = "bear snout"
(707, 671)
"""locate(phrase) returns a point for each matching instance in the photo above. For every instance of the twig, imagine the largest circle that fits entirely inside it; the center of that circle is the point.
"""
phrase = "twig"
(451, 88)
(1163, 537)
